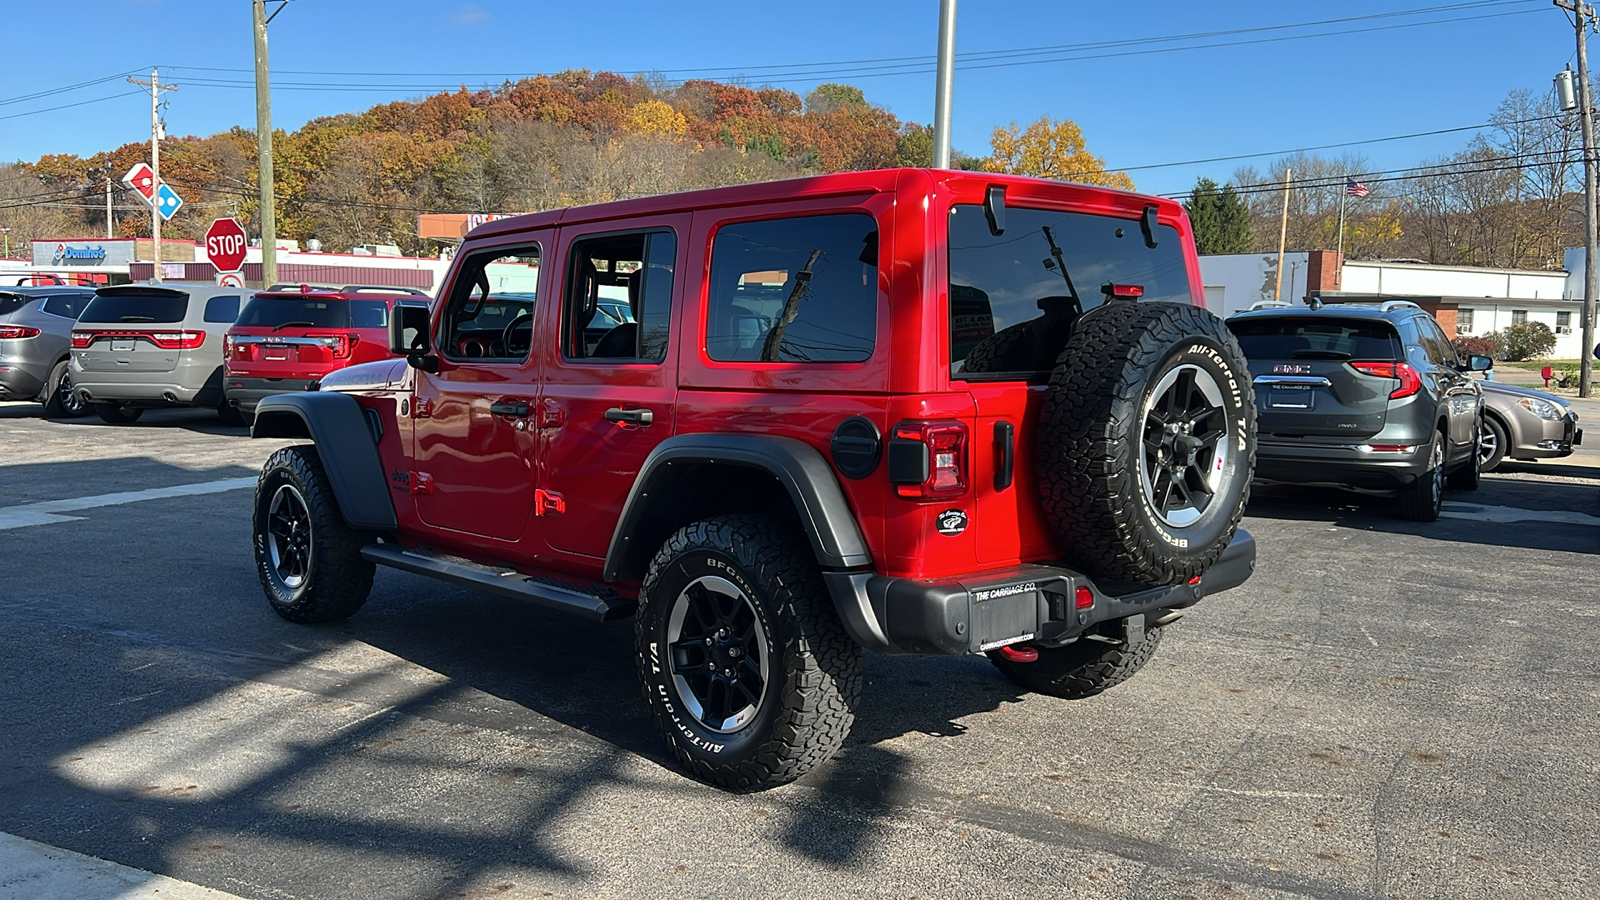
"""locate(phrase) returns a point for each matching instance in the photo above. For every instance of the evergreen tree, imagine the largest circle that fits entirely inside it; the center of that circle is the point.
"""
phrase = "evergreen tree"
(1220, 217)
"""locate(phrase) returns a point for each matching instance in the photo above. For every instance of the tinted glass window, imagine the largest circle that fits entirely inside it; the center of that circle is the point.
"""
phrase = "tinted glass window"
(619, 296)
(488, 312)
(10, 303)
(1434, 343)
(794, 290)
(67, 306)
(136, 307)
(282, 312)
(369, 313)
(222, 308)
(1016, 297)
(1323, 338)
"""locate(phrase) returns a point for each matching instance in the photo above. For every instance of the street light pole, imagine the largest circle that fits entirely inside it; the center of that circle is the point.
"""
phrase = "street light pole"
(945, 81)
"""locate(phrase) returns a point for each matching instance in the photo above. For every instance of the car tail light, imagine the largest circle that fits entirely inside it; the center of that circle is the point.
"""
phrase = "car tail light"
(1083, 598)
(1123, 291)
(929, 459)
(17, 331)
(1410, 381)
(82, 339)
(177, 340)
(227, 345)
(340, 344)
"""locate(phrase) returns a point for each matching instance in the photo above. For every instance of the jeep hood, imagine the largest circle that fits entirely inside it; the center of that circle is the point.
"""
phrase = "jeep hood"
(384, 374)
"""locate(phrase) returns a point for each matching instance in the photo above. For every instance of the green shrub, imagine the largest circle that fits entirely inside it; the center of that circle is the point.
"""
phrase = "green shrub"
(1530, 340)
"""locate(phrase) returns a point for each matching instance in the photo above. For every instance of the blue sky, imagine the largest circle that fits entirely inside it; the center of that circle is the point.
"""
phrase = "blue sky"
(1141, 104)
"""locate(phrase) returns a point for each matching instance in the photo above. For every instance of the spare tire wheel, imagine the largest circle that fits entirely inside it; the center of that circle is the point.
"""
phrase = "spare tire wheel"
(1147, 442)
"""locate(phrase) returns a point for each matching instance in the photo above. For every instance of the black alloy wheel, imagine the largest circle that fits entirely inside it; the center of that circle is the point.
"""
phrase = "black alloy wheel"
(1186, 445)
(718, 653)
(289, 537)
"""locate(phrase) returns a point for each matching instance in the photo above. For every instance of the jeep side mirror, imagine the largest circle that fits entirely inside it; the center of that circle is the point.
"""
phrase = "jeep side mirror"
(1478, 363)
(408, 331)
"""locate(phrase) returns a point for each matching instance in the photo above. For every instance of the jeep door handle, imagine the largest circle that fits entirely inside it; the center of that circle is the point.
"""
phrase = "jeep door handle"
(518, 409)
(630, 416)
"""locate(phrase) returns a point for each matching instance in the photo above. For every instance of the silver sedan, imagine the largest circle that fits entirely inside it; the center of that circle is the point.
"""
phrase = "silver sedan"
(1522, 423)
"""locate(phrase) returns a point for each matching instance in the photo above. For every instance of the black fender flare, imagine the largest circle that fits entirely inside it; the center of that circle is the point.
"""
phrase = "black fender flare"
(345, 443)
(819, 502)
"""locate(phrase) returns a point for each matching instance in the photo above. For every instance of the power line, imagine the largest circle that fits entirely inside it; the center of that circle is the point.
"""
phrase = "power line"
(891, 66)
(61, 90)
(35, 112)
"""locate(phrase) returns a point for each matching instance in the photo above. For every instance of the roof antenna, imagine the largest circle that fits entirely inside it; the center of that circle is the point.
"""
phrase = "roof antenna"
(1314, 302)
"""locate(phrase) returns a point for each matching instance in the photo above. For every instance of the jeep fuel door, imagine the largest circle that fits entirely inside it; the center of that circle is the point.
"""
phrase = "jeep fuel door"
(610, 385)
(472, 420)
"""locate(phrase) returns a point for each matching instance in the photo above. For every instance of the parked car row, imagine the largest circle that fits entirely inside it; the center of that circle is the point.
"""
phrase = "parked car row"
(1373, 397)
(117, 351)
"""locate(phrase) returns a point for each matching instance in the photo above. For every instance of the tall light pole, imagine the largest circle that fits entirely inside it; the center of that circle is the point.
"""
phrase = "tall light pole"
(1583, 15)
(269, 218)
(945, 80)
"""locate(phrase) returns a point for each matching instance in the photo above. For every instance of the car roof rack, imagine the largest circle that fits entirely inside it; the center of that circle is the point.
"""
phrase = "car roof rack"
(1388, 305)
(1269, 304)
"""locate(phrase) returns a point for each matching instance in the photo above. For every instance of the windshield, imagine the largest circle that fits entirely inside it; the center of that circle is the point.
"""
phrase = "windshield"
(1016, 297)
(159, 307)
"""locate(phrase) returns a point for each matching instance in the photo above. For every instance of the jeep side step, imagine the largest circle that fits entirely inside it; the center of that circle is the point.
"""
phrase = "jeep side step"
(594, 602)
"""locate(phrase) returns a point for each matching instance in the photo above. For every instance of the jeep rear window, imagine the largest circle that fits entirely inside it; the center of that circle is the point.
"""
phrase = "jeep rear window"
(277, 312)
(136, 307)
(794, 290)
(1298, 338)
(1012, 303)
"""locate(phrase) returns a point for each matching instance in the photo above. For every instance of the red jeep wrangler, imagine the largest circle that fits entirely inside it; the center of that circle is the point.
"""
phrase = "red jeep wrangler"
(912, 411)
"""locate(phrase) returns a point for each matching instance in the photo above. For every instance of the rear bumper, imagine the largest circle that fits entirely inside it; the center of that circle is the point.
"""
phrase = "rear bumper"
(17, 383)
(245, 393)
(992, 609)
(1339, 465)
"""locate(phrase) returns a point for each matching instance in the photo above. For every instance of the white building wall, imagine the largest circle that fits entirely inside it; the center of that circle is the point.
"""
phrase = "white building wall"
(1442, 281)
(1236, 281)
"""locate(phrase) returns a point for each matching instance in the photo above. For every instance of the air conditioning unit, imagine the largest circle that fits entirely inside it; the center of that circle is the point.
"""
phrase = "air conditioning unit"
(1563, 329)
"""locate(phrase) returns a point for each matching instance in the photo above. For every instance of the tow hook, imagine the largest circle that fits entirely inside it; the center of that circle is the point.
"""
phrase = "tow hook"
(1019, 654)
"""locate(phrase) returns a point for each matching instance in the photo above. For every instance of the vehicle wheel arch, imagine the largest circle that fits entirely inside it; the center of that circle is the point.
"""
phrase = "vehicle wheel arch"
(775, 475)
(346, 445)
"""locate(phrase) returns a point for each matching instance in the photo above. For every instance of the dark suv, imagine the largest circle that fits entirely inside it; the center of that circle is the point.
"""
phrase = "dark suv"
(1363, 396)
(913, 411)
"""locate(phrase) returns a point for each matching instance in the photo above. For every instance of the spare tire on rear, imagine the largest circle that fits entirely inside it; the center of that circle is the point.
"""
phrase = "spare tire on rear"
(1147, 442)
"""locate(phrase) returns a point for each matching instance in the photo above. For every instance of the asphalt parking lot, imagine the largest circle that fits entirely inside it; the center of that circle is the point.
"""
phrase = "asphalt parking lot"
(1386, 709)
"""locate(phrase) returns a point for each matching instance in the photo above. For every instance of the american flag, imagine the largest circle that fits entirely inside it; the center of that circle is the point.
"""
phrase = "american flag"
(1354, 188)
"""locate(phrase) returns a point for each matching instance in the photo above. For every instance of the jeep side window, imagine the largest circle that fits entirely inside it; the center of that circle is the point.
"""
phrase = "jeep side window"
(1016, 297)
(489, 309)
(794, 290)
(619, 296)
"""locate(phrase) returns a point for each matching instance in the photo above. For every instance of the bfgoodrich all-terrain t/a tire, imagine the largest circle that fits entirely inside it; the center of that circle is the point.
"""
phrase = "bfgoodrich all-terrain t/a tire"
(308, 560)
(1147, 442)
(746, 668)
(1080, 669)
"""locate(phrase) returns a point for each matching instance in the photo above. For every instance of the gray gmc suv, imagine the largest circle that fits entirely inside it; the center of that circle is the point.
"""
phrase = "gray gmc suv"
(1367, 397)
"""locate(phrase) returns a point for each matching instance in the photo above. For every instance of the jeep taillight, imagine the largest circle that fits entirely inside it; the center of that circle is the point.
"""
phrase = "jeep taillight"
(1410, 381)
(339, 344)
(928, 459)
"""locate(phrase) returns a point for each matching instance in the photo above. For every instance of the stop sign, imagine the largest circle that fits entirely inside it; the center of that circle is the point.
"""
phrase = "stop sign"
(225, 245)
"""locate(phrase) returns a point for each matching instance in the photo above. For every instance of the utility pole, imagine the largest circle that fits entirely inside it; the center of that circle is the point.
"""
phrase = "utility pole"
(269, 219)
(155, 87)
(945, 80)
(108, 208)
(1283, 235)
(1583, 17)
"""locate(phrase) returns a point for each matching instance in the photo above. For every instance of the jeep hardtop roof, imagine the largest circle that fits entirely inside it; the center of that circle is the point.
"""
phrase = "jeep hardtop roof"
(839, 184)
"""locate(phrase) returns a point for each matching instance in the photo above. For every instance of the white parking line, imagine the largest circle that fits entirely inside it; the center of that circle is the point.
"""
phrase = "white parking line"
(1478, 513)
(50, 511)
(29, 869)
